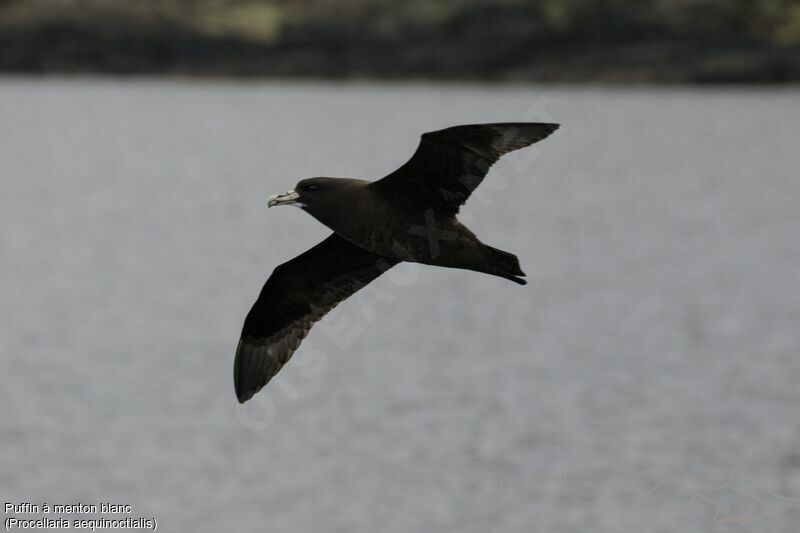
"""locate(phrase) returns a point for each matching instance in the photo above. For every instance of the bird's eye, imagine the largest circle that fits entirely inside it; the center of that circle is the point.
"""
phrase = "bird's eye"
(310, 188)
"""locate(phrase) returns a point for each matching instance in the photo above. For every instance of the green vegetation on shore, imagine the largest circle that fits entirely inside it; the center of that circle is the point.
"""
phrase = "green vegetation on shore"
(548, 40)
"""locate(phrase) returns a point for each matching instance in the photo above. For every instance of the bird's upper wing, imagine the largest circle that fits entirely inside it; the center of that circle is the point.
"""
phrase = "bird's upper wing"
(449, 164)
(297, 294)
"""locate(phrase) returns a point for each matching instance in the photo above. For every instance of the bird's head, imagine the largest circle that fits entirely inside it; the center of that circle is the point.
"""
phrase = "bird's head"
(316, 195)
(307, 193)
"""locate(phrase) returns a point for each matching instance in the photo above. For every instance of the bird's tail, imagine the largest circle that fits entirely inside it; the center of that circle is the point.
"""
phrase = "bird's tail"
(503, 264)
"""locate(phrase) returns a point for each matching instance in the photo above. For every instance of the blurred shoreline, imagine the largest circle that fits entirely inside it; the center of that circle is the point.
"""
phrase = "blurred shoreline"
(590, 41)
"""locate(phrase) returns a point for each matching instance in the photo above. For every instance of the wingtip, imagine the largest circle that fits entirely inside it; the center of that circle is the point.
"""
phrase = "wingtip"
(239, 377)
(541, 130)
(550, 127)
(241, 395)
(243, 399)
(245, 392)
(547, 129)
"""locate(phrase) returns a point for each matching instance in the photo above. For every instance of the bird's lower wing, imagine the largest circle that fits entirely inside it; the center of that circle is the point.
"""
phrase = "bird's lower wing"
(297, 294)
(449, 164)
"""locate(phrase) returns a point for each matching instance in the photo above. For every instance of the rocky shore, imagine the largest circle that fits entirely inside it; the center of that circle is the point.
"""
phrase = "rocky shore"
(480, 41)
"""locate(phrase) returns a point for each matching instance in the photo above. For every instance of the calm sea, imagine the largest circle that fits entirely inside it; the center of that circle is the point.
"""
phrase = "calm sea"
(647, 379)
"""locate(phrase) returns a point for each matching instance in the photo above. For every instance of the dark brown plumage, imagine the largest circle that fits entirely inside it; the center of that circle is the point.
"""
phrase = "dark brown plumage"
(410, 215)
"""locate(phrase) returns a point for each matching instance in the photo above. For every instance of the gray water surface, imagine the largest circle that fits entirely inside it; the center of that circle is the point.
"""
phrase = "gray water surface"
(647, 379)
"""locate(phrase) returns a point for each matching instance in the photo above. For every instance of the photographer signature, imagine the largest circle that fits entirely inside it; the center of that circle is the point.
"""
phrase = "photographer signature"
(731, 503)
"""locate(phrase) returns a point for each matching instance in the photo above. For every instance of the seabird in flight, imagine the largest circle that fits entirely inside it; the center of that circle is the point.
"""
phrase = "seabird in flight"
(409, 215)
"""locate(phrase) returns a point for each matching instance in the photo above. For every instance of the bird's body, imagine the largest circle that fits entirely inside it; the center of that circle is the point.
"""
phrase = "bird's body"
(410, 215)
(415, 233)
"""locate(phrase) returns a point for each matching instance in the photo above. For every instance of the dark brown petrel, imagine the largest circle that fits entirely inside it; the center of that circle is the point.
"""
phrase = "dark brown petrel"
(410, 215)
